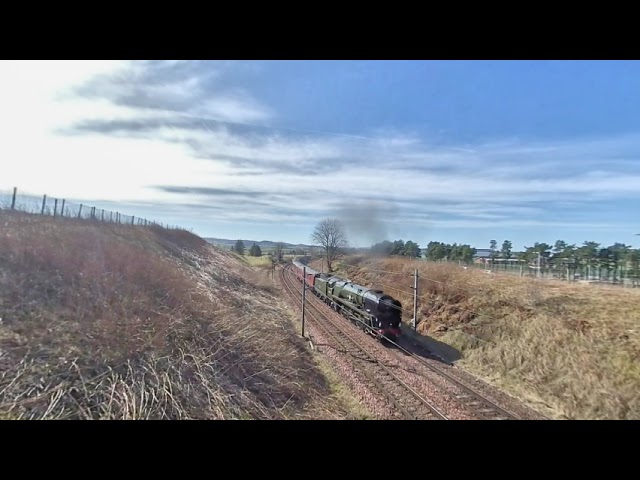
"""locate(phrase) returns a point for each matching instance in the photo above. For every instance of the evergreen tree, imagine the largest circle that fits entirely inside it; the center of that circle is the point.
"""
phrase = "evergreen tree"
(240, 247)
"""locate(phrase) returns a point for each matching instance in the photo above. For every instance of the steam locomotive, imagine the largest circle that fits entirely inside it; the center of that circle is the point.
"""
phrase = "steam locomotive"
(371, 309)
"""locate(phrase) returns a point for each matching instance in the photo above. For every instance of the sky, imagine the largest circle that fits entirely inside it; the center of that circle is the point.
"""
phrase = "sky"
(452, 151)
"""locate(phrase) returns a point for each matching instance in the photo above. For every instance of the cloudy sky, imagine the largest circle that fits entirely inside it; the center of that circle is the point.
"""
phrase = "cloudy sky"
(455, 151)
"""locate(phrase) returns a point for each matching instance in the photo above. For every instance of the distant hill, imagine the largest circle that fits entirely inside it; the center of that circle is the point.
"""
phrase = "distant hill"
(225, 242)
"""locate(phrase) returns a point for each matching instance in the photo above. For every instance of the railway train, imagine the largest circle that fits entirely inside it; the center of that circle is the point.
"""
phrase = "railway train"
(371, 309)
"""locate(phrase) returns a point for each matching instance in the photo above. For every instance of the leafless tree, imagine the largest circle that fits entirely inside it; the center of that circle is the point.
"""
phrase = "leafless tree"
(329, 233)
(277, 253)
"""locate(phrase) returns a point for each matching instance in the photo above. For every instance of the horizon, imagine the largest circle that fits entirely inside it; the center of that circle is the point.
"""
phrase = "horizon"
(421, 246)
(452, 151)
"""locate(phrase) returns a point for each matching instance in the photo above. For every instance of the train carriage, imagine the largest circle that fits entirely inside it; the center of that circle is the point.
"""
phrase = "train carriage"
(310, 273)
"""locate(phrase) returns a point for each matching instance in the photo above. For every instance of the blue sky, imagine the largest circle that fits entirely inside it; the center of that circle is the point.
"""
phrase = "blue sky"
(454, 151)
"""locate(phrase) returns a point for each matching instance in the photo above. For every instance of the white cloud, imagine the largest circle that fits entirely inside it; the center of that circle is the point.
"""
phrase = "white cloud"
(447, 187)
(233, 109)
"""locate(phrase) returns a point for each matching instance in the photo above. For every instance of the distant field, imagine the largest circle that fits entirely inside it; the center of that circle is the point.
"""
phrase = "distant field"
(569, 350)
(264, 261)
(106, 321)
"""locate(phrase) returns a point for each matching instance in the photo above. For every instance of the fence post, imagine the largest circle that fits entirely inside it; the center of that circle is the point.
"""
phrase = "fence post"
(62, 208)
(102, 215)
(132, 219)
(44, 202)
(55, 207)
(13, 200)
(80, 212)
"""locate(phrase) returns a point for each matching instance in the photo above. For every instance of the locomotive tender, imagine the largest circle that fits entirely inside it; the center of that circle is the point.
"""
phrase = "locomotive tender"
(371, 309)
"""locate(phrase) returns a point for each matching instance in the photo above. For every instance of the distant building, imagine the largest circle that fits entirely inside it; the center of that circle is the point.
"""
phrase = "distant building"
(483, 256)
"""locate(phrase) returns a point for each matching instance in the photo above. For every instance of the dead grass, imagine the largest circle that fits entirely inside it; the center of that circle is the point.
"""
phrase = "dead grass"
(103, 321)
(263, 261)
(337, 397)
(569, 350)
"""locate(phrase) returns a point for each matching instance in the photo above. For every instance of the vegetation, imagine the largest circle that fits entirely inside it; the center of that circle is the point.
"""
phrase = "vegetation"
(571, 351)
(278, 251)
(434, 251)
(239, 247)
(591, 260)
(398, 247)
(330, 234)
(106, 321)
(255, 251)
(455, 252)
(264, 261)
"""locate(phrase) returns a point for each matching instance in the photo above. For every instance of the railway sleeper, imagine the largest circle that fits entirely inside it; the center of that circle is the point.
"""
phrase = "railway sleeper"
(487, 410)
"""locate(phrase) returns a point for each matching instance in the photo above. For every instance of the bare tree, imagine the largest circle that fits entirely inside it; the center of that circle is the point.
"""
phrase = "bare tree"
(278, 251)
(329, 233)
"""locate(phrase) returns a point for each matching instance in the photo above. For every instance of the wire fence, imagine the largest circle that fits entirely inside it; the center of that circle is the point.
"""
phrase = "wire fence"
(624, 274)
(19, 201)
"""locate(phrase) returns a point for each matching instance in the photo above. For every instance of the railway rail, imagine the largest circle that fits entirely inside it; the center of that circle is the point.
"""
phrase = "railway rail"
(408, 403)
(474, 401)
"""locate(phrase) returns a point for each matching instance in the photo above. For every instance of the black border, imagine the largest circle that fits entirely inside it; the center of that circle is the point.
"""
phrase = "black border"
(317, 31)
(318, 445)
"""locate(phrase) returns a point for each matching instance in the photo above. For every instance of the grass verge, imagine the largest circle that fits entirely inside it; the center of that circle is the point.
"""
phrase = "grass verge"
(570, 351)
(103, 321)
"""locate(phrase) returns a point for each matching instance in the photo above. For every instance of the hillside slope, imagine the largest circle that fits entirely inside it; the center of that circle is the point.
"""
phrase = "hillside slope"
(570, 351)
(122, 322)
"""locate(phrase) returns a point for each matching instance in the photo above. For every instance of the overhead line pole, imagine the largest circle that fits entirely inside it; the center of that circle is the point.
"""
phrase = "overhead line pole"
(304, 277)
(415, 299)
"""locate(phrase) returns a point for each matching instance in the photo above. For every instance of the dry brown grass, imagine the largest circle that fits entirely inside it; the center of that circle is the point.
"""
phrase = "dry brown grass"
(571, 351)
(117, 322)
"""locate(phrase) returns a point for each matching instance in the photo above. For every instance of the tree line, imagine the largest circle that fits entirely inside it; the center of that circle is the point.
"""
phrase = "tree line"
(397, 247)
(443, 251)
(434, 250)
(254, 251)
(610, 261)
(606, 261)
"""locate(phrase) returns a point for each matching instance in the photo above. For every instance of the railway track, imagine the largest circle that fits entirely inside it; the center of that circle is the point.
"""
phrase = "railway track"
(408, 403)
(473, 400)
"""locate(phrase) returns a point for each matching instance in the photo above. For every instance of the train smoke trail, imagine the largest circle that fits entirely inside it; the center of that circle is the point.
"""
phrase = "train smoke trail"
(366, 223)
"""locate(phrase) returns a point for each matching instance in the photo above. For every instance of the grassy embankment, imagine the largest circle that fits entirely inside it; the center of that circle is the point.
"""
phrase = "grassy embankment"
(569, 350)
(123, 322)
